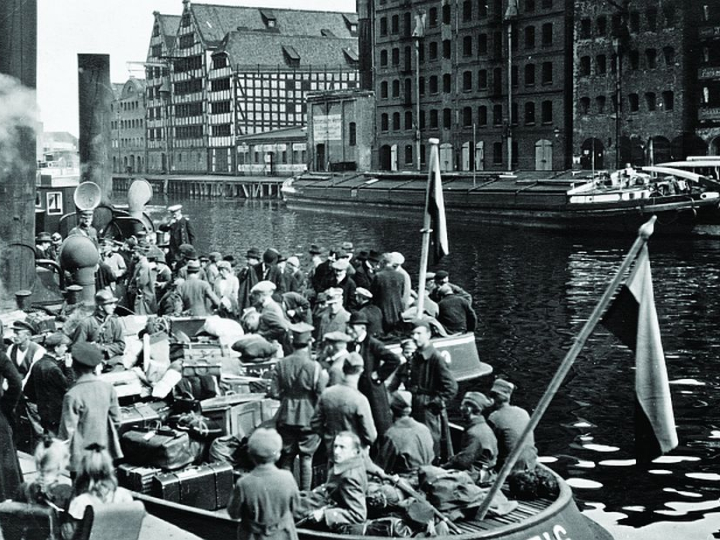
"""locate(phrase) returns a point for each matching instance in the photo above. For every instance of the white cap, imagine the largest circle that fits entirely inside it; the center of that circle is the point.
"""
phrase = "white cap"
(263, 287)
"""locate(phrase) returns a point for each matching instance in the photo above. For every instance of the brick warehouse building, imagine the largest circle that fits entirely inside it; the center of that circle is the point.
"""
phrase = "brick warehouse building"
(127, 127)
(462, 82)
(709, 76)
(206, 97)
(636, 90)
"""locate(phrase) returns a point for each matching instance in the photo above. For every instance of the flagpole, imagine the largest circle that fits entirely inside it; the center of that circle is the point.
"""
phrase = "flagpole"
(644, 234)
(425, 251)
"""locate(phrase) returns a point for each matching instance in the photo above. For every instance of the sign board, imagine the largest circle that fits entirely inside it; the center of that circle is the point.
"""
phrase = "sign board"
(268, 147)
(327, 127)
(243, 148)
(300, 147)
(54, 200)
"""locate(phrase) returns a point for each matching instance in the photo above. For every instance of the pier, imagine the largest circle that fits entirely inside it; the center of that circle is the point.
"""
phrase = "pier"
(206, 186)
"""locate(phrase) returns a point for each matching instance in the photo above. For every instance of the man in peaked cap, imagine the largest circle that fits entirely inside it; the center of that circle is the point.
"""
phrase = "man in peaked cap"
(334, 353)
(180, 229)
(84, 226)
(23, 351)
(141, 297)
(297, 381)
(334, 317)
(104, 330)
(53, 251)
(508, 422)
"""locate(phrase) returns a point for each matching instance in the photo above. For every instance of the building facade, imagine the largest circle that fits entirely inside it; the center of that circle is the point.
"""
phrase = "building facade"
(279, 152)
(127, 127)
(709, 75)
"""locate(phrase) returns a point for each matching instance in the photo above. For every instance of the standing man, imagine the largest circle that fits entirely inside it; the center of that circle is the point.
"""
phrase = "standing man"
(42, 246)
(388, 289)
(24, 352)
(343, 281)
(197, 294)
(84, 226)
(334, 353)
(297, 381)
(226, 287)
(432, 385)
(508, 422)
(364, 305)
(140, 296)
(56, 240)
(180, 229)
(293, 278)
(378, 364)
(103, 330)
(247, 279)
(334, 317)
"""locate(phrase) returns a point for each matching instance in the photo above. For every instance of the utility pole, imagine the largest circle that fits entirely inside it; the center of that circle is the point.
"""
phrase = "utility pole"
(621, 42)
(511, 14)
(418, 34)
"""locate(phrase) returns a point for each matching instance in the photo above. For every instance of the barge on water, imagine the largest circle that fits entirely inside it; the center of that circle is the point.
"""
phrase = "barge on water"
(570, 205)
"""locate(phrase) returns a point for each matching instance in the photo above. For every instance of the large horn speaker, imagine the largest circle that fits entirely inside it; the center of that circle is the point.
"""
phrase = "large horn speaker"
(139, 194)
(87, 196)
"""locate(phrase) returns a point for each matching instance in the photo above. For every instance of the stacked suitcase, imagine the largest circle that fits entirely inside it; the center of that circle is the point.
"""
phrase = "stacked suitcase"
(136, 478)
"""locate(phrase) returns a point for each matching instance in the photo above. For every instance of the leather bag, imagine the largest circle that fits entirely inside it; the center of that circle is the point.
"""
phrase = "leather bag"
(165, 448)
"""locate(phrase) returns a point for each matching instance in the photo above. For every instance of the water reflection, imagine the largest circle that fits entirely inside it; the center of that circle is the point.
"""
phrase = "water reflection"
(533, 291)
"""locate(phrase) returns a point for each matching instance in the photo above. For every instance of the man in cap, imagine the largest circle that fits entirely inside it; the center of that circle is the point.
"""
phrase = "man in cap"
(247, 279)
(378, 364)
(162, 274)
(103, 330)
(141, 286)
(334, 317)
(84, 226)
(297, 381)
(388, 289)
(113, 259)
(268, 269)
(23, 351)
(226, 287)
(315, 253)
(333, 355)
(479, 447)
(343, 281)
(440, 278)
(53, 251)
(90, 412)
(321, 277)
(508, 422)
(273, 324)
(180, 229)
(364, 270)
(432, 385)
(293, 278)
(343, 408)
(408, 444)
(364, 305)
(454, 312)
(264, 499)
(171, 302)
(188, 253)
(48, 382)
(197, 294)
(42, 246)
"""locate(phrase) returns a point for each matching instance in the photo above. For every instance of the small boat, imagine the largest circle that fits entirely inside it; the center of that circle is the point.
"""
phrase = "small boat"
(567, 204)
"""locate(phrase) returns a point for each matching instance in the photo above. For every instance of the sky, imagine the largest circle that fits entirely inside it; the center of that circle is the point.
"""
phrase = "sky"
(120, 28)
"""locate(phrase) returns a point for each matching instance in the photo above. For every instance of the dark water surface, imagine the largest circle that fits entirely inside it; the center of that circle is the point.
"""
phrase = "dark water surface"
(533, 290)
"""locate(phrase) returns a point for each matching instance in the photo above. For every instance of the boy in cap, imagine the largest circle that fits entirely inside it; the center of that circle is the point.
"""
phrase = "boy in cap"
(297, 381)
(264, 499)
(90, 413)
(180, 229)
(508, 422)
(408, 444)
(104, 330)
(479, 449)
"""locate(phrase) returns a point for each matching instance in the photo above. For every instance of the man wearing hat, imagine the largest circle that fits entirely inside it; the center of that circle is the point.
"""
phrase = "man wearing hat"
(226, 287)
(264, 499)
(84, 226)
(379, 364)
(297, 381)
(42, 246)
(113, 259)
(408, 444)
(364, 305)
(293, 278)
(180, 229)
(334, 317)
(479, 447)
(55, 245)
(398, 260)
(90, 412)
(454, 312)
(23, 351)
(188, 253)
(48, 382)
(388, 289)
(211, 268)
(268, 269)
(333, 356)
(321, 277)
(140, 295)
(196, 293)
(273, 324)
(104, 330)
(440, 278)
(364, 270)
(343, 408)
(508, 422)
(315, 258)
(247, 279)
(343, 281)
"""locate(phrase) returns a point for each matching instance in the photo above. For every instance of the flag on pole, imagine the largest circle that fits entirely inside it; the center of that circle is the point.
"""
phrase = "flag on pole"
(436, 208)
(633, 319)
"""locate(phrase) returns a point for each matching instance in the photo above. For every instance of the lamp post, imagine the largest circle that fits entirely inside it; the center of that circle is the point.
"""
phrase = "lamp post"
(418, 34)
(511, 14)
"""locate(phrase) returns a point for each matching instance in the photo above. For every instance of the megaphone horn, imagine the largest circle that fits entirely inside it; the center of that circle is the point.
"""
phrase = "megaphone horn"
(139, 194)
(87, 196)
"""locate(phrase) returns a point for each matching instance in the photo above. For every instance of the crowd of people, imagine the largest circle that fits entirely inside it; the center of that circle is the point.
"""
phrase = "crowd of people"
(341, 391)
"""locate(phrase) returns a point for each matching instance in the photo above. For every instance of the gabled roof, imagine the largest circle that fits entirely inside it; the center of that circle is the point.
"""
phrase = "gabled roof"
(266, 49)
(133, 83)
(214, 22)
(168, 28)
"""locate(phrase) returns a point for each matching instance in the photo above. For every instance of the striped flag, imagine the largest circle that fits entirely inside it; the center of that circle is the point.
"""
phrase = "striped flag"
(633, 319)
(436, 208)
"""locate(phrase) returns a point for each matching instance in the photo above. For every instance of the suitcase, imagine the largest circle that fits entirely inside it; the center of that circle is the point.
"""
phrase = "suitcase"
(140, 415)
(127, 384)
(137, 478)
(206, 486)
(165, 448)
(202, 358)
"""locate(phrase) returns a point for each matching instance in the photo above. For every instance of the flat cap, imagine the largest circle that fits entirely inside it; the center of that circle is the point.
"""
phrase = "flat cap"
(480, 400)
(293, 261)
(397, 258)
(502, 387)
(362, 291)
(301, 332)
(422, 323)
(86, 354)
(334, 294)
(341, 264)
(43, 237)
(24, 325)
(337, 336)
(264, 287)
(57, 338)
(264, 443)
(444, 290)
(174, 207)
(56, 237)
(355, 360)
(441, 275)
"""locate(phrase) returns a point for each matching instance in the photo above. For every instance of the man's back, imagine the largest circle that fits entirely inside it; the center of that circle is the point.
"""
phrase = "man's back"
(343, 408)
(406, 446)
(508, 422)
(456, 314)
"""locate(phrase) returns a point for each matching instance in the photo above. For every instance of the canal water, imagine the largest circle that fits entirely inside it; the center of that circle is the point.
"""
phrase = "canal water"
(533, 290)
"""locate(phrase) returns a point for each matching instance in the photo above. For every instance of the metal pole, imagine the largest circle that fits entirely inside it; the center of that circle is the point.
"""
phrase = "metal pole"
(644, 234)
(474, 154)
(417, 102)
(509, 91)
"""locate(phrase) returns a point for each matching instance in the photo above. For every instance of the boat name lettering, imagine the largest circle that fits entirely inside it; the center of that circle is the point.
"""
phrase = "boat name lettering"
(558, 533)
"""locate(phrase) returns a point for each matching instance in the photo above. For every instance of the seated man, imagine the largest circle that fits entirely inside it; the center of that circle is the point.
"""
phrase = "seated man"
(455, 312)
(508, 422)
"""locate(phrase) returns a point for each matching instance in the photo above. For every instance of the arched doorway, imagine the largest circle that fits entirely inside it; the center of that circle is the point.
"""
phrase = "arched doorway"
(394, 157)
(480, 156)
(543, 155)
(466, 157)
(686, 145)
(637, 152)
(592, 154)
(658, 150)
(446, 157)
(385, 158)
(625, 152)
(715, 147)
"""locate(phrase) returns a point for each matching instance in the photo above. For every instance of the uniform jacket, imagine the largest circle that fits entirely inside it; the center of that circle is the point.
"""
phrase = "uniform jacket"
(343, 408)
(181, 232)
(90, 414)
(46, 387)
(297, 382)
(509, 422)
(388, 289)
(406, 446)
(479, 449)
(106, 333)
(198, 297)
(264, 500)
(346, 486)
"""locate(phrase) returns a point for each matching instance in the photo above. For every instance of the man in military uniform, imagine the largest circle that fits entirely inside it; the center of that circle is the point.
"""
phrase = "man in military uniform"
(508, 422)
(84, 226)
(103, 330)
(180, 229)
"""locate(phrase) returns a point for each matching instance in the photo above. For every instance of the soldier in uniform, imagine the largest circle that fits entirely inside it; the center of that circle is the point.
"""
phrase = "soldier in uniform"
(181, 231)
(508, 422)
(103, 330)
(84, 226)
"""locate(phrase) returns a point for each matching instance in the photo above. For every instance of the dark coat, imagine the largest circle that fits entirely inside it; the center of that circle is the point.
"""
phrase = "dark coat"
(374, 315)
(322, 276)
(10, 476)
(297, 382)
(479, 449)
(387, 289)
(406, 446)
(456, 315)
(46, 387)
(379, 364)
(270, 272)
(247, 279)
(181, 232)
(342, 408)
(348, 288)
(509, 422)
(363, 276)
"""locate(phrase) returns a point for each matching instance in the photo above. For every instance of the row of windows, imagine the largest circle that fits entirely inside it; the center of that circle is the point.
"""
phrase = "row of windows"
(127, 124)
(497, 152)
(186, 41)
(155, 113)
(155, 134)
(185, 110)
(188, 87)
(181, 65)
(637, 22)
(652, 102)
(466, 118)
(133, 141)
(220, 107)
(246, 158)
(125, 105)
(189, 132)
(633, 56)
(223, 130)
(155, 72)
